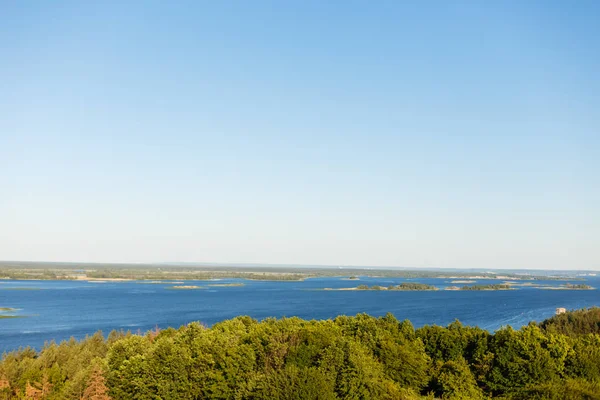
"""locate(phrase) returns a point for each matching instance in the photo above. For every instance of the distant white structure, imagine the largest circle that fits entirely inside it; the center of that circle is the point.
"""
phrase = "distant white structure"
(561, 310)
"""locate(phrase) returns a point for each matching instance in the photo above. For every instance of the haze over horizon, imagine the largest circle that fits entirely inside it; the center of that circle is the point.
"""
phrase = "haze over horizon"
(293, 267)
(312, 133)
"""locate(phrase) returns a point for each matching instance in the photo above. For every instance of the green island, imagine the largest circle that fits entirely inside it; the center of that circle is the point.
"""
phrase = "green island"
(501, 286)
(186, 287)
(192, 287)
(349, 357)
(9, 310)
(227, 284)
(580, 286)
(567, 286)
(402, 286)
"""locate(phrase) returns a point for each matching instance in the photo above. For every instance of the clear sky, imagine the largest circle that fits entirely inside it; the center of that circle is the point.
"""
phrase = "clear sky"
(390, 133)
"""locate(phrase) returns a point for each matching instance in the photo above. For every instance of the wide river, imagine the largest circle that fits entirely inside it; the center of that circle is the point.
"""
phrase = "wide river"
(58, 310)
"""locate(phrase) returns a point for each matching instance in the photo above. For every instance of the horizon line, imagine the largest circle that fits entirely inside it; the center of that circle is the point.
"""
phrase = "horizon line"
(289, 265)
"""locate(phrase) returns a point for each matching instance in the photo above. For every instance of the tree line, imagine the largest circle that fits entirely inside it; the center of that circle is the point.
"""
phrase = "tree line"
(358, 357)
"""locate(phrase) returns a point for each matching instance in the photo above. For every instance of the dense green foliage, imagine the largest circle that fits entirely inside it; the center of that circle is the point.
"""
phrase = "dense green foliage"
(499, 286)
(402, 286)
(412, 286)
(574, 323)
(359, 357)
(580, 286)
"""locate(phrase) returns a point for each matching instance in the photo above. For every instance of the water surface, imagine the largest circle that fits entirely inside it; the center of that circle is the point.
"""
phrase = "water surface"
(57, 310)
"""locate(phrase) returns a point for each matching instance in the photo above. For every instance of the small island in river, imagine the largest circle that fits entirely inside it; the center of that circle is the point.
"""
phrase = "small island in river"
(186, 287)
(8, 310)
(226, 284)
(579, 286)
(569, 286)
(401, 287)
(501, 286)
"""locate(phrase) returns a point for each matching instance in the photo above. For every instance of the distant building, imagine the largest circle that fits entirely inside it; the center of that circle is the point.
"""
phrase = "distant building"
(561, 310)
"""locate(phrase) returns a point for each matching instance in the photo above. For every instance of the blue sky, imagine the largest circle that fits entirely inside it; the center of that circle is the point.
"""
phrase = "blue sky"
(417, 133)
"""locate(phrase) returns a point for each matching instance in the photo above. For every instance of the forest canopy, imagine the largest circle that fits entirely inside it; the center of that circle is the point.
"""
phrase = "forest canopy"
(359, 357)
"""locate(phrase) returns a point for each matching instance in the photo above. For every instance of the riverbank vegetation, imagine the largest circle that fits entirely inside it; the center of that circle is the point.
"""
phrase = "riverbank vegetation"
(359, 357)
(574, 323)
(158, 272)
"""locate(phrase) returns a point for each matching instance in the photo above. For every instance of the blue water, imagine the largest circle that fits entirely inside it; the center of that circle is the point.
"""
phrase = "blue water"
(61, 309)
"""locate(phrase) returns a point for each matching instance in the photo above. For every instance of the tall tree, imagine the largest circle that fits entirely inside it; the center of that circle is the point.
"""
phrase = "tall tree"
(96, 386)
